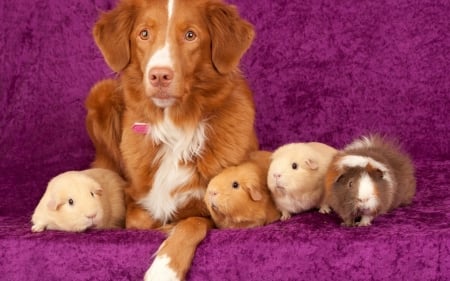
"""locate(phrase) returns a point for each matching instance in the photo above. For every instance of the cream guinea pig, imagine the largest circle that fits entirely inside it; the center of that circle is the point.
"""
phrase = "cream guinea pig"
(368, 178)
(238, 197)
(78, 200)
(296, 177)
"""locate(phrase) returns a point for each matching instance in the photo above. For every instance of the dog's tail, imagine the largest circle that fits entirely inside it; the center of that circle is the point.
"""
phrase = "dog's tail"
(105, 106)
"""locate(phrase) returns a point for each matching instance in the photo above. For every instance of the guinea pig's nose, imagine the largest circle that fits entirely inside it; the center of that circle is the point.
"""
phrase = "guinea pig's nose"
(92, 216)
(212, 193)
(277, 175)
(363, 200)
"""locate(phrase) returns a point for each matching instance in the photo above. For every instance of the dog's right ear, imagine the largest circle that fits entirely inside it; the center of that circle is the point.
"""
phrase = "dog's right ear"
(112, 35)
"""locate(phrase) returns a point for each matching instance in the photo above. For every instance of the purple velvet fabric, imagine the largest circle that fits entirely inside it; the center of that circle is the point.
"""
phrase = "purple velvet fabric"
(321, 70)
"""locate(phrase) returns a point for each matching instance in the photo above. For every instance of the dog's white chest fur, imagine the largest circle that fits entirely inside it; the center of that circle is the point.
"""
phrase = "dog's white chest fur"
(178, 147)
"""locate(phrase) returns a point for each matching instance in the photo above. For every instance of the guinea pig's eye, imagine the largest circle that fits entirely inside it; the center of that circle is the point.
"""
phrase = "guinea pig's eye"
(144, 34)
(190, 36)
(70, 201)
(235, 185)
(92, 194)
(350, 184)
(294, 166)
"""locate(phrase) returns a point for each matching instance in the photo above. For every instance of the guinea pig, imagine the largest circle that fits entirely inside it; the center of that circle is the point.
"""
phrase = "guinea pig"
(78, 200)
(296, 177)
(238, 196)
(370, 177)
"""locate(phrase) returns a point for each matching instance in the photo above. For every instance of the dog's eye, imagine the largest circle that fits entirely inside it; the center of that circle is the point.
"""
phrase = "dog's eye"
(70, 201)
(235, 184)
(294, 166)
(144, 34)
(190, 36)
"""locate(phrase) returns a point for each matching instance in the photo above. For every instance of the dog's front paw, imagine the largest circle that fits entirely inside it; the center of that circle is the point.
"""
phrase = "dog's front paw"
(160, 270)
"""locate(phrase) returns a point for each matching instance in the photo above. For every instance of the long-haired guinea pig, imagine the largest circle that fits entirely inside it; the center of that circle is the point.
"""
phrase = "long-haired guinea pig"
(78, 200)
(238, 197)
(296, 177)
(370, 177)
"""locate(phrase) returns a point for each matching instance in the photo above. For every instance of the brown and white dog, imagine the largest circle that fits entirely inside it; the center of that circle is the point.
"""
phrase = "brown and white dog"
(180, 112)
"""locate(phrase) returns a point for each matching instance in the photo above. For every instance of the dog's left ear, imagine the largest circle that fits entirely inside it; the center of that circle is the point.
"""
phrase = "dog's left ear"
(231, 36)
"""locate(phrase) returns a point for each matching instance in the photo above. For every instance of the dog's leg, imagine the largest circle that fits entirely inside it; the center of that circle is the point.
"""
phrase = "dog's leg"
(174, 256)
(105, 106)
(139, 218)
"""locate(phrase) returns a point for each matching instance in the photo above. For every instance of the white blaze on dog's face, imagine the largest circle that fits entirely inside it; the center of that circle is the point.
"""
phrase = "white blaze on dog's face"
(159, 70)
(169, 43)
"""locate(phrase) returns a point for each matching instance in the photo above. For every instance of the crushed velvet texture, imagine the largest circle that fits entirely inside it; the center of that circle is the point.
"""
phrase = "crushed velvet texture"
(321, 70)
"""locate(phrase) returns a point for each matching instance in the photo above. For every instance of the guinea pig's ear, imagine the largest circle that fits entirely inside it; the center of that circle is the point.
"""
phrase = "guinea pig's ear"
(97, 189)
(333, 175)
(54, 203)
(379, 174)
(255, 194)
(311, 164)
(339, 178)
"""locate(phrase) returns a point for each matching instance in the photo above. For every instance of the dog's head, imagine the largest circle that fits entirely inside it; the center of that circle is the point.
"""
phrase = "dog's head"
(172, 43)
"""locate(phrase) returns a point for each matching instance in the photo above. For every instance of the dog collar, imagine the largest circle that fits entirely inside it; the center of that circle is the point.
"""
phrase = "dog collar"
(141, 128)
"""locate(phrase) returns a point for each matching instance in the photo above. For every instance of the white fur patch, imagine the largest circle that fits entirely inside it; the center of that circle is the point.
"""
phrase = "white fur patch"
(160, 270)
(170, 6)
(185, 144)
(366, 193)
(163, 103)
(361, 161)
(364, 142)
(365, 220)
(178, 147)
(159, 201)
(162, 57)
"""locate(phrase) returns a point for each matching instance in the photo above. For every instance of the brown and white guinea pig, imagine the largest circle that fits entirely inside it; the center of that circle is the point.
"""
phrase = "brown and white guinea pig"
(370, 177)
(78, 200)
(296, 177)
(238, 197)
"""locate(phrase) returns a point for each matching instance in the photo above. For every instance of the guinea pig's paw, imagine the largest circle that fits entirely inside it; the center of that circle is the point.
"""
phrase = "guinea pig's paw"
(37, 227)
(285, 215)
(325, 209)
(348, 223)
(365, 221)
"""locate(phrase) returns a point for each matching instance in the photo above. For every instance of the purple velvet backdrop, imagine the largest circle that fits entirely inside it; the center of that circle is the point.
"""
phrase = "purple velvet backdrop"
(321, 70)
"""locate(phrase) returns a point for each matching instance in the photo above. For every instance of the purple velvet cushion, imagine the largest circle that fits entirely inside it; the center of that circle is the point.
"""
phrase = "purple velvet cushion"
(321, 70)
